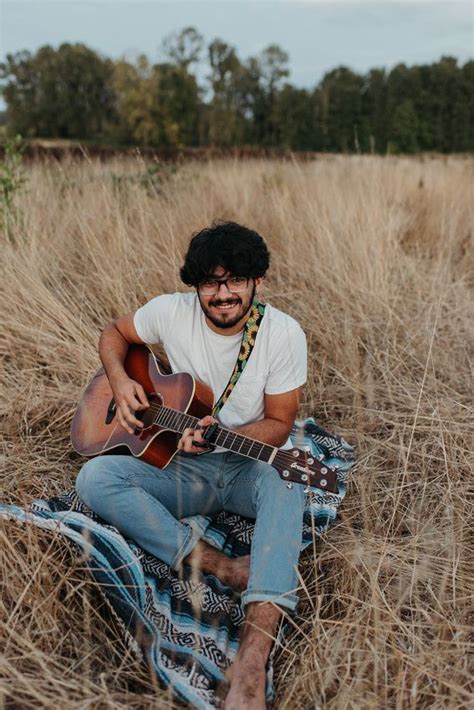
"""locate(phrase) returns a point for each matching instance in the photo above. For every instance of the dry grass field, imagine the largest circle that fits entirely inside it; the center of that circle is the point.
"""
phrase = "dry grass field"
(372, 256)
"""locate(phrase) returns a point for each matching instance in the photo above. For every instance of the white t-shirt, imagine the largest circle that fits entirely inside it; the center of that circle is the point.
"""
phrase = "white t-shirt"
(277, 364)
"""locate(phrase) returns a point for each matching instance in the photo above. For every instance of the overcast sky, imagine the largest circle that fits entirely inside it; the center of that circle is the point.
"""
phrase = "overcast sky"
(317, 35)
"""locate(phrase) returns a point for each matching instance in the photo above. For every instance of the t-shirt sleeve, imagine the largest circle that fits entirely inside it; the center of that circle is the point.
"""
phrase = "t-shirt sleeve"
(152, 320)
(288, 368)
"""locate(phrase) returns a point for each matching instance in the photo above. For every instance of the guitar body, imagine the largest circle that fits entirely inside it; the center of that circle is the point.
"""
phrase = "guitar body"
(96, 430)
(176, 400)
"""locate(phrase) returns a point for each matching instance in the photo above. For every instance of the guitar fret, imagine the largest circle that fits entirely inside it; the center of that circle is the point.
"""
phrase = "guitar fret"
(232, 444)
(248, 443)
(222, 432)
(254, 444)
(168, 418)
(222, 441)
(175, 421)
(190, 422)
(232, 441)
(165, 418)
(184, 421)
(159, 416)
(241, 444)
(162, 417)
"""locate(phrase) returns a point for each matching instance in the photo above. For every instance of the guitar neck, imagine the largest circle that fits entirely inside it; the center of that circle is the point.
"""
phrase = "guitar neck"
(228, 439)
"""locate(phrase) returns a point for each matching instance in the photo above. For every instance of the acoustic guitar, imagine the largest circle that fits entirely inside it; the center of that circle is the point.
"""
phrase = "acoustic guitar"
(177, 401)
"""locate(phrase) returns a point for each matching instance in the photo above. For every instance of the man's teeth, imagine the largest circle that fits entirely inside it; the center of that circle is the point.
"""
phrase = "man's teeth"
(226, 307)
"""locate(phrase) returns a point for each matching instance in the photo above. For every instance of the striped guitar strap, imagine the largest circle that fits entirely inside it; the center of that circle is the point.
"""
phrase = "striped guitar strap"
(248, 341)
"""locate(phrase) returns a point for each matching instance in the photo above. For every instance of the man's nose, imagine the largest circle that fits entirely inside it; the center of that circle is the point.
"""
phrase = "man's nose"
(222, 283)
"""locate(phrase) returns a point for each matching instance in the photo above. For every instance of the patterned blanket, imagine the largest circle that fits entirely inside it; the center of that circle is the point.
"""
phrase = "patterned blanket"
(186, 626)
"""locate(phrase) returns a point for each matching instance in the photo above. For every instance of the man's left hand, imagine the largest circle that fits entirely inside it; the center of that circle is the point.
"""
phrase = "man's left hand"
(186, 443)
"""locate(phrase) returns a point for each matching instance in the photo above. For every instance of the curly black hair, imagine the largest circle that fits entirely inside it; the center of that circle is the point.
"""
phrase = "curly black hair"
(239, 250)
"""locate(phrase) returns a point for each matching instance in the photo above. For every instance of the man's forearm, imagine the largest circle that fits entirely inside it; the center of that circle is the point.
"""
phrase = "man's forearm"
(112, 350)
(270, 431)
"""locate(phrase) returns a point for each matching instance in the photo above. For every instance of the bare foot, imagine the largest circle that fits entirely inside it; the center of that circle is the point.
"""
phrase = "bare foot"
(247, 683)
(234, 572)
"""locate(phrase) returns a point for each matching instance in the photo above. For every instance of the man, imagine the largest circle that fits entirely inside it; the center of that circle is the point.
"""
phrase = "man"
(202, 333)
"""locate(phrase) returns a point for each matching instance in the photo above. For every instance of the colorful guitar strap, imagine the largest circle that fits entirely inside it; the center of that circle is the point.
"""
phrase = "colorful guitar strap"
(248, 341)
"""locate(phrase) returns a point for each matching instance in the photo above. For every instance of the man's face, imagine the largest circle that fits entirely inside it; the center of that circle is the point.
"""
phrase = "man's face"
(225, 309)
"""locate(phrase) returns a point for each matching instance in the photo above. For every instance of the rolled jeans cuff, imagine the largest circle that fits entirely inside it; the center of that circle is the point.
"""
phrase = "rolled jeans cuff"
(288, 600)
(189, 543)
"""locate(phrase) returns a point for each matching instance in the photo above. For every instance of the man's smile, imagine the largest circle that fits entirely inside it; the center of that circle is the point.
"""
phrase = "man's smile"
(225, 307)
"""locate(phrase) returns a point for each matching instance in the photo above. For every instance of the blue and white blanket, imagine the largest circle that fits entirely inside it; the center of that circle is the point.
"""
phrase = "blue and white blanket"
(185, 626)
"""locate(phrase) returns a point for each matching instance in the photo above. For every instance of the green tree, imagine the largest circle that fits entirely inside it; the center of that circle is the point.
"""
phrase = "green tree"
(179, 95)
(295, 119)
(463, 112)
(404, 131)
(225, 119)
(401, 117)
(156, 105)
(340, 117)
(256, 87)
(183, 48)
(135, 90)
(272, 62)
(373, 107)
(177, 105)
(12, 175)
(72, 92)
(62, 93)
(448, 94)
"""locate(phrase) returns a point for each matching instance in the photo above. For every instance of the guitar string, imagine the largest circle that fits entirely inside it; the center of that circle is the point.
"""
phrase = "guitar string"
(223, 430)
(280, 452)
(176, 413)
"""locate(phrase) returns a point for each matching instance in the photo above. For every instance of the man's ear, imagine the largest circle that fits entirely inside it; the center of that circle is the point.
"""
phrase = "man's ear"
(259, 283)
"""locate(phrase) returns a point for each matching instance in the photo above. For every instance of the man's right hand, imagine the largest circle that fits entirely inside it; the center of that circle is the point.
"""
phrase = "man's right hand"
(129, 398)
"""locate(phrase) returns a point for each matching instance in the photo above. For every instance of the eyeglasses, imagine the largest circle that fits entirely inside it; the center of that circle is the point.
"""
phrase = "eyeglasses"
(234, 284)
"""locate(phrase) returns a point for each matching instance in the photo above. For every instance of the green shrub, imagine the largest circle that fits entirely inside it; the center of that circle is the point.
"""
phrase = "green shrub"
(12, 174)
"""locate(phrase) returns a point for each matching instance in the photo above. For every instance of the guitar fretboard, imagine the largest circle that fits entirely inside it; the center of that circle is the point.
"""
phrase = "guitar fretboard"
(244, 445)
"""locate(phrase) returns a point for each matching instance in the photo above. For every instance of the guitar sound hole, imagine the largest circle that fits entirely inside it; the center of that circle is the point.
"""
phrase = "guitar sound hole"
(147, 416)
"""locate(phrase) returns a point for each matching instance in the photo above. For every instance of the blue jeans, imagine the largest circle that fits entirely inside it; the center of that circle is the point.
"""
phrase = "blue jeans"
(146, 504)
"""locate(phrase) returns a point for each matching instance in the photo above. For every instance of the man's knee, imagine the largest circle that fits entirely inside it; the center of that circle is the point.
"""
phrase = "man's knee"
(94, 476)
(270, 487)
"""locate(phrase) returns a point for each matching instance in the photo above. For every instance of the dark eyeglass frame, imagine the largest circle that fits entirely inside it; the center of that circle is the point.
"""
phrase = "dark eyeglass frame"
(217, 284)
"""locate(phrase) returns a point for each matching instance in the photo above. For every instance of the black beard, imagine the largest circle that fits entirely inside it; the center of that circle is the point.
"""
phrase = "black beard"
(232, 321)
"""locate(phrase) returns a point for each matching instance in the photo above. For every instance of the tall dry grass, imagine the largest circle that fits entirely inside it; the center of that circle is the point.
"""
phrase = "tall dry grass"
(371, 255)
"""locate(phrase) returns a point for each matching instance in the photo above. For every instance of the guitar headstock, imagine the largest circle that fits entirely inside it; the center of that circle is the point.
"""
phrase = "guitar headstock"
(300, 466)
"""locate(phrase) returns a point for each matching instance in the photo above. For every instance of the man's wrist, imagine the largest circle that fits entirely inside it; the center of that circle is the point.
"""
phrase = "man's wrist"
(270, 431)
(116, 376)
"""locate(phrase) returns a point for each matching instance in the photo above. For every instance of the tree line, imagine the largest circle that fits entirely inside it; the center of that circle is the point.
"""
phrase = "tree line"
(73, 92)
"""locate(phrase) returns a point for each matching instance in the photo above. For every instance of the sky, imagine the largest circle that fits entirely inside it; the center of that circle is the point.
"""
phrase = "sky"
(317, 35)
